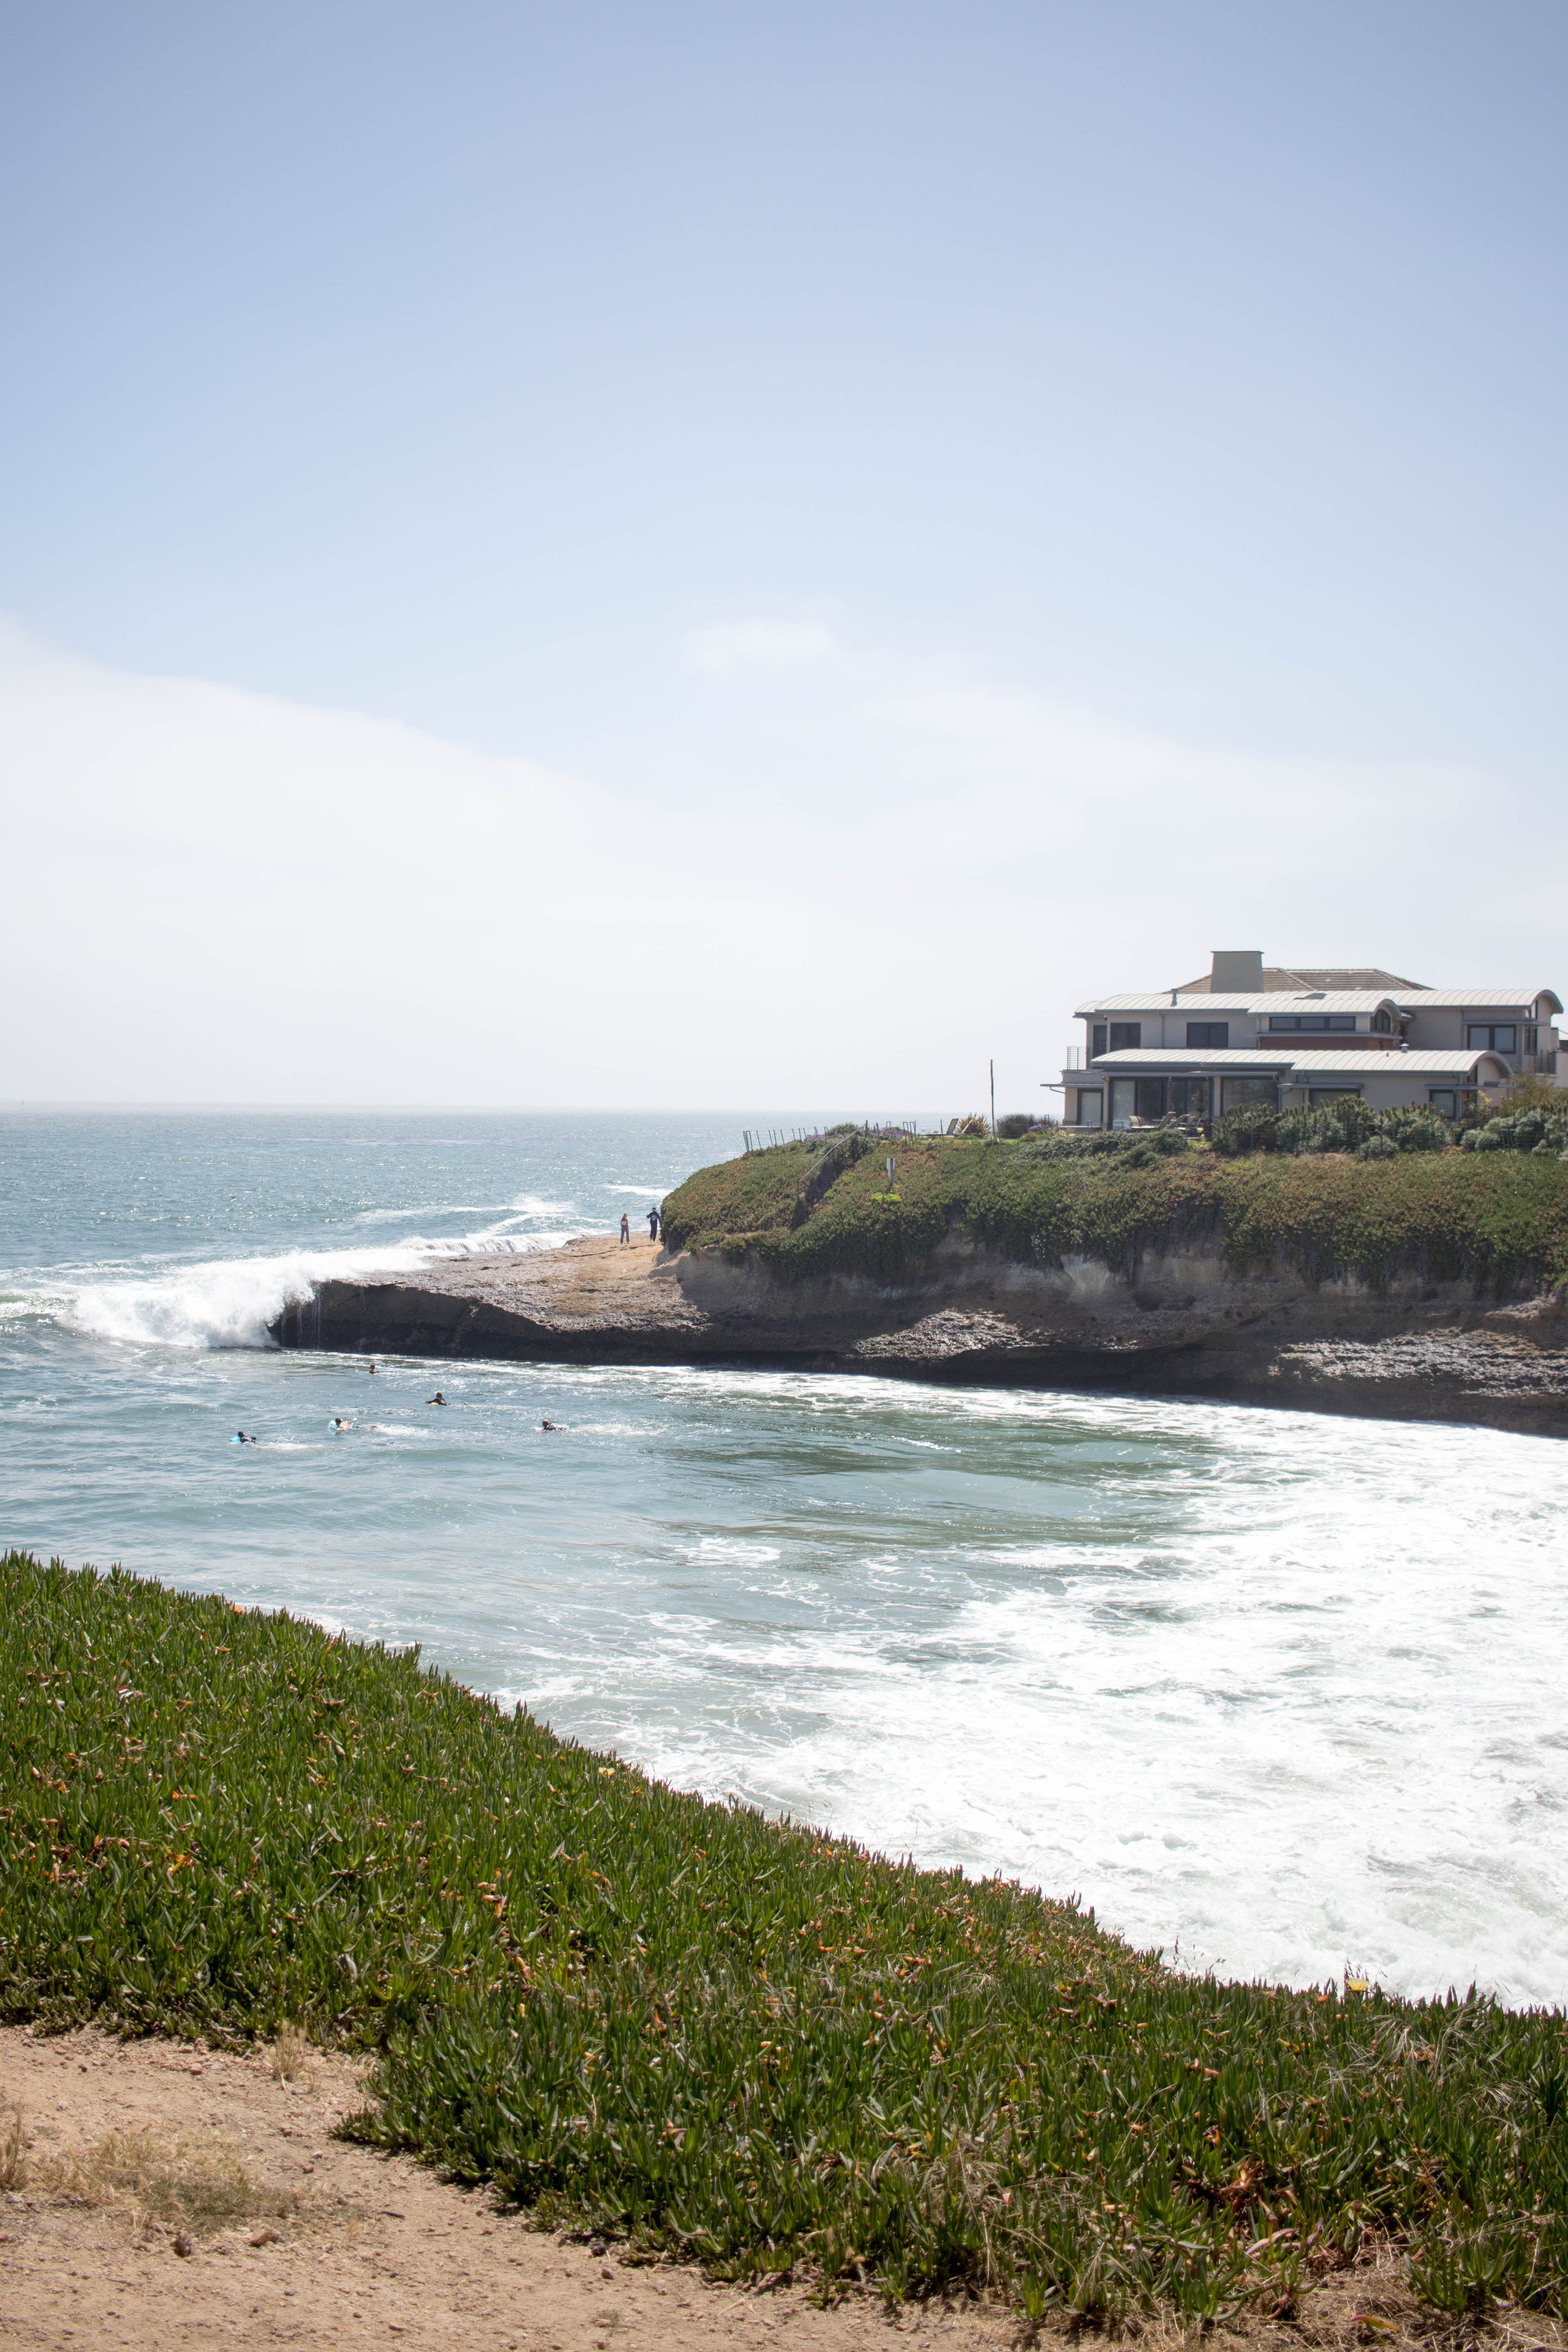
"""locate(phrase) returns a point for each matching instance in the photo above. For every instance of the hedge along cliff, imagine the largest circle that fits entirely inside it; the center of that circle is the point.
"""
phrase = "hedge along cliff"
(1429, 1286)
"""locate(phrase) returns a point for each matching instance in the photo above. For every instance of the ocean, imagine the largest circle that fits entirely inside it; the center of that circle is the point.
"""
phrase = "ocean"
(1280, 1695)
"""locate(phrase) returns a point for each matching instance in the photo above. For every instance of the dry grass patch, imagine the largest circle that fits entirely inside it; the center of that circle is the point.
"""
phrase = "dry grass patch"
(11, 2150)
(193, 2184)
(290, 2056)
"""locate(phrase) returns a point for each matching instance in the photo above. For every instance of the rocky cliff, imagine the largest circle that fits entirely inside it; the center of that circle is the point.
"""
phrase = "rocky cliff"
(1180, 1323)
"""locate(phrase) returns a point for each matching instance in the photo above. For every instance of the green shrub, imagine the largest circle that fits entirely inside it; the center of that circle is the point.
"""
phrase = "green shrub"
(737, 2039)
(1015, 1123)
(1257, 1128)
(1343, 1125)
(1378, 1146)
(1525, 1131)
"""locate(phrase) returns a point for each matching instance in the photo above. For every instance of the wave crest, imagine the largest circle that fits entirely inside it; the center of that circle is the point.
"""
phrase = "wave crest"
(229, 1302)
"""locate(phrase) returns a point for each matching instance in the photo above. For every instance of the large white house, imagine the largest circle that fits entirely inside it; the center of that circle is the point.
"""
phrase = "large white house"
(1248, 1032)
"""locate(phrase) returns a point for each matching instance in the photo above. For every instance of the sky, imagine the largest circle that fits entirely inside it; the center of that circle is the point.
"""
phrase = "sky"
(715, 555)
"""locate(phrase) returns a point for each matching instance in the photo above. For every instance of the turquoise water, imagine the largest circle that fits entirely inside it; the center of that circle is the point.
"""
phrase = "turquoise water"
(1281, 1694)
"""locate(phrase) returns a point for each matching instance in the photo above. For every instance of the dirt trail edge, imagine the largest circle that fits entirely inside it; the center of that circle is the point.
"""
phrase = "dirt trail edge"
(1174, 1327)
(167, 2195)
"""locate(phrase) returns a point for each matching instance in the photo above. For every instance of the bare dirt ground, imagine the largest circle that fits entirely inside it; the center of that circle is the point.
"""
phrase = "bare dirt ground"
(161, 2194)
(582, 1286)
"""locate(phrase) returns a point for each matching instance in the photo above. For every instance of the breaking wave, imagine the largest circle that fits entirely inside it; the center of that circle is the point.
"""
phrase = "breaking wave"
(229, 1302)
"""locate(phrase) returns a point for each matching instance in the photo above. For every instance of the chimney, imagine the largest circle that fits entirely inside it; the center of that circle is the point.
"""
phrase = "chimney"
(1237, 972)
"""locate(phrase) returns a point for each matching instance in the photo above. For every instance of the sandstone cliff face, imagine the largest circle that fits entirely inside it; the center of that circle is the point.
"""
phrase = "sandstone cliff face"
(1178, 1323)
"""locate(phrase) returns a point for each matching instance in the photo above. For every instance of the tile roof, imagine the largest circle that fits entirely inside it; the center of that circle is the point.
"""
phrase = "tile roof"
(1296, 977)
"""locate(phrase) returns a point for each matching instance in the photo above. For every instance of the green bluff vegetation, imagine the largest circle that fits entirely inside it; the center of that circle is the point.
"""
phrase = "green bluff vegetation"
(1338, 1189)
(714, 2035)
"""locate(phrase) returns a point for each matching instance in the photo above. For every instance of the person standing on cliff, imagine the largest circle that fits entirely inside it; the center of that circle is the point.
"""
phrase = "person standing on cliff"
(653, 1225)
(625, 1226)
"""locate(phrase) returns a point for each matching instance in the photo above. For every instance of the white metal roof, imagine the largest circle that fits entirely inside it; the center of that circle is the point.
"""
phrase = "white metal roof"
(1341, 1000)
(1465, 1000)
(1128, 1062)
(1390, 1066)
(1163, 1002)
(1197, 1059)
(1278, 1001)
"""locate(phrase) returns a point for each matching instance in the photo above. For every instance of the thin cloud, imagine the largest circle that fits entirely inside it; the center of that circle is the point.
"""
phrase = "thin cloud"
(729, 646)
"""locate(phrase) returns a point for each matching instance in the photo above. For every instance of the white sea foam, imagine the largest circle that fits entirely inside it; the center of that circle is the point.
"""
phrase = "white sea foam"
(524, 1205)
(229, 1302)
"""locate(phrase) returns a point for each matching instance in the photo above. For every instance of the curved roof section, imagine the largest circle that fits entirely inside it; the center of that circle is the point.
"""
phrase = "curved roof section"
(1426, 1064)
(1481, 1000)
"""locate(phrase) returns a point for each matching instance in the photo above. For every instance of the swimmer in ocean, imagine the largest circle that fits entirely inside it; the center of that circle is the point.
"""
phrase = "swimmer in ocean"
(341, 1426)
(436, 1399)
(373, 1364)
(239, 1438)
(549, 1425)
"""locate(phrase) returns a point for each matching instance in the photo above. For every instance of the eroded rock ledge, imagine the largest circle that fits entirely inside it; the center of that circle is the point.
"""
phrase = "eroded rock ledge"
(1178, 1327)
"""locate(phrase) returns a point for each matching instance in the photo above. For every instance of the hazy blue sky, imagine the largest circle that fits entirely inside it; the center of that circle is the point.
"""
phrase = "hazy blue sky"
(775, 425)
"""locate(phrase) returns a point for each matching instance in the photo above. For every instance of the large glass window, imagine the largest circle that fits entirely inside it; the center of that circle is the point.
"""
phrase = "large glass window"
(1126, 1036)
(1318, 1096)
(1498, 1038)
(1189, 1098)
(1122, 1101)
(1342, 1023)
(1382, 1022)
(1213, 1033)
(1444, 1101)
(1090, 1106)
(1247, 1094)
(1150, 1097)
(1096, 1041)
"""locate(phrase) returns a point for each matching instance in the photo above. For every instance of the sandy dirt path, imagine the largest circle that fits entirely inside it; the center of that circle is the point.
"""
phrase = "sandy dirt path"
(297, 2237)
(172, 2198)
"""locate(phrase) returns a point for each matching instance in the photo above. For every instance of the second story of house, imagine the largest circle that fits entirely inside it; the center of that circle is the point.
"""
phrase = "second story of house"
(1242, 1006)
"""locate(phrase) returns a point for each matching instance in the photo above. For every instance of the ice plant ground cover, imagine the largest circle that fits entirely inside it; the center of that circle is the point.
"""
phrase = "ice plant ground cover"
(1499, 1220)
(705, 2032)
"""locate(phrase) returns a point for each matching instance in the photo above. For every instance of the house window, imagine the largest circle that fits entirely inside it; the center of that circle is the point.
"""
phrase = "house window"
(1249, 1093)
(1342, 1023)
(1149, 1098)
(1189, 1098)
(1212, 1033)
(1122, 1102)
(1382, 1022)
(1444, 1101)
(1096, 1041)
(1090, 1106)
(1532, 1040)
(1126, 1036)
(1497, 1039)
(1318, 1095)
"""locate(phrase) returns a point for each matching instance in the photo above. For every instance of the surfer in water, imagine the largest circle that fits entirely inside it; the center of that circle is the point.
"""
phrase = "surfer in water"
(436, 1399)
(239, 1438)
(553, 1426)
(340, 1427)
